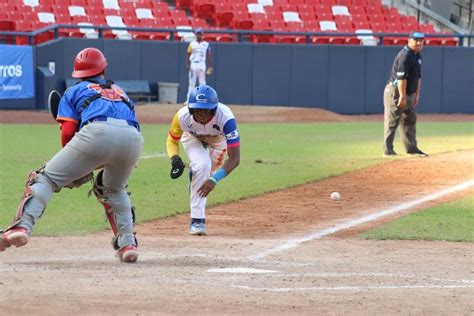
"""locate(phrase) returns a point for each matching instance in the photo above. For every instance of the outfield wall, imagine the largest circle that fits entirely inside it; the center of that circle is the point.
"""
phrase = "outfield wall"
(343, 79)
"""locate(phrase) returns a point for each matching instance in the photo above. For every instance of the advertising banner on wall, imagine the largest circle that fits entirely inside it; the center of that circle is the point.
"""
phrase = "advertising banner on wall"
(16, 72)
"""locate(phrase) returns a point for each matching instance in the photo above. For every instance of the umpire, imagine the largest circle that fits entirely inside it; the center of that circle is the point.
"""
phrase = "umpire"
(401, 97)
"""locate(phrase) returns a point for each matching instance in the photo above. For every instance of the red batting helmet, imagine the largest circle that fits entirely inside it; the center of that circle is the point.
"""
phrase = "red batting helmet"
(89, 62)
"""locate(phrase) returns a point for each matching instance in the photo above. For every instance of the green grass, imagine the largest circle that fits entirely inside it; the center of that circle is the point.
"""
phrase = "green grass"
(291, 154)
(453, 221)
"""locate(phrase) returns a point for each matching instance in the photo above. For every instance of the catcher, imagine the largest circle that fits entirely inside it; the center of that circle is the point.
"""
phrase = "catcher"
(207, 130)
(99, 129)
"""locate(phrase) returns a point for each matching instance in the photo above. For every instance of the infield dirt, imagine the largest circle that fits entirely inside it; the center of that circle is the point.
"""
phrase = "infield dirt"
(338, 274)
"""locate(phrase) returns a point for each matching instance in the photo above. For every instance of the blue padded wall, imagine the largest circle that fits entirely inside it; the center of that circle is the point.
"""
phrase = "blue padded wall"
(271, 74)
(431, 80)
(233, 72)
(346, 87)
(458, 80)
(309, 72)
(376, 77)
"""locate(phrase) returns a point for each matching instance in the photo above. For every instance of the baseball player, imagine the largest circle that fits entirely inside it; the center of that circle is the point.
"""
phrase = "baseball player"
(99, 129)
(401, 96)
(197, 60)
(207, 130)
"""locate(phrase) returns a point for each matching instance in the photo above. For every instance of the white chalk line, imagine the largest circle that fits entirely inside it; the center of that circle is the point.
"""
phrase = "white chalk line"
(151, 156)
(362, 220)
(352, 288)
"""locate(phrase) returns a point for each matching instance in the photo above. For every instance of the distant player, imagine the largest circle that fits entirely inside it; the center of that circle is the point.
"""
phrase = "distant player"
(207, 130)
(99, 129)
(198, 59)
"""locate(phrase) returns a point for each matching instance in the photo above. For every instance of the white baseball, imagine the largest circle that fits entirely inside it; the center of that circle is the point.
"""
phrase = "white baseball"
(335, 196)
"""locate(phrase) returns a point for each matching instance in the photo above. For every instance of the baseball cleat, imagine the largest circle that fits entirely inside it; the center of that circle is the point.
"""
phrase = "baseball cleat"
(17, 237)
(128, 254)
(197, 227)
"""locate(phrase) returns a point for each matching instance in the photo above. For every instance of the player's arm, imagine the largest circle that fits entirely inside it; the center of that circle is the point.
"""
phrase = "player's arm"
(66, 118)
(417, 95)
(188, 56)
(402, 75)
(172, 148)
(233, 152)
(208, 61)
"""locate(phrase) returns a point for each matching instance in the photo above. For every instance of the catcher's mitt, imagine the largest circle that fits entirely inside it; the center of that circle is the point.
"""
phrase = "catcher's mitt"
(77, 183)
(53, 103)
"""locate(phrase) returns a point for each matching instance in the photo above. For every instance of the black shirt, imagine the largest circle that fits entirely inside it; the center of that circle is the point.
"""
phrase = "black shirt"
(407, 65)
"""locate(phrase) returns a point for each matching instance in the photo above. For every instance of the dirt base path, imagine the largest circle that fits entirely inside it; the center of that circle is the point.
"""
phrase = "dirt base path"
(304, 262)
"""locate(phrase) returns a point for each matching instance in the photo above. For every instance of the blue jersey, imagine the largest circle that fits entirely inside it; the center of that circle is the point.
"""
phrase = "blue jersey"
(110, 104)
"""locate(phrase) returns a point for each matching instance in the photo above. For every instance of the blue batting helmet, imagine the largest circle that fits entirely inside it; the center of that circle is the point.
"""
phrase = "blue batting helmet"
(203, 97)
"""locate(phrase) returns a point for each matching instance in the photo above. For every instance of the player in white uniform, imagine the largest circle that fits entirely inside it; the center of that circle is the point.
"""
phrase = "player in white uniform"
(198, 60)
(207, 130)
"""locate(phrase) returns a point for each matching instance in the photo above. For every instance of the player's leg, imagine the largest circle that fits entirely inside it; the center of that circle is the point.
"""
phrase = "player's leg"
(202, 75)
(408, 127)
(66, 166)
(200, 165)
(111, 191)
(391, 118)
(193, 76)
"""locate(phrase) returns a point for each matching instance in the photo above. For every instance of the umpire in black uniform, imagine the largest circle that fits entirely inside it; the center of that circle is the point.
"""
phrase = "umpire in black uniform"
(401, 97)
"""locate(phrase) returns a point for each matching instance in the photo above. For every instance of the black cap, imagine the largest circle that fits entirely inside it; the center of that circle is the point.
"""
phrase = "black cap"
(417, 35)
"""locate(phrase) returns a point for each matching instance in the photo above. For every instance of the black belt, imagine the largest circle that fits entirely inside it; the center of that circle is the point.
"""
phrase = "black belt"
(104, 119)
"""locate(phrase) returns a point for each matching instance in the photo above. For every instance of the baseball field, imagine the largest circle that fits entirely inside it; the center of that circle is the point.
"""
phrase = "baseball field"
(399, 241)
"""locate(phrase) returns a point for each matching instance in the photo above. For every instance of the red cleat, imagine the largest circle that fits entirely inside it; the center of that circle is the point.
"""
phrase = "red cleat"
(128, 254)
(17, 237)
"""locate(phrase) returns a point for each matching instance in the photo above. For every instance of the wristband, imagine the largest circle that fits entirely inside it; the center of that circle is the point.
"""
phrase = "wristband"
(212, 180)
(219, 175)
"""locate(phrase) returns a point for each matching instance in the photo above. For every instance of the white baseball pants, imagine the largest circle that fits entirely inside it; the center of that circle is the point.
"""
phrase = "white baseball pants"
(203, 160)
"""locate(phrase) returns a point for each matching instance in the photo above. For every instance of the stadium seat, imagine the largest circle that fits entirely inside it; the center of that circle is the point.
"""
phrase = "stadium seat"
(340, 10)
(183, 4)
(144, 13)
(204, 9)
(365, 38)
(224, 15)
(327, 26)
(76, 11)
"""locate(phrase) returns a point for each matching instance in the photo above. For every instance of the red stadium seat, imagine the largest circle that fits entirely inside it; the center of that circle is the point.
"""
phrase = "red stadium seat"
(183, 4)
(81, 3)
(181, 21)
(224, 15)
(204, 9)
(450, 42)
(433, 41)
(242, 20)
(198, 22)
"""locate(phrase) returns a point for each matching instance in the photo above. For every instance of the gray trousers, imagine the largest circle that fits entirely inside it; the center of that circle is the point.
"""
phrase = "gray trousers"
(112, 144)
(393, 116)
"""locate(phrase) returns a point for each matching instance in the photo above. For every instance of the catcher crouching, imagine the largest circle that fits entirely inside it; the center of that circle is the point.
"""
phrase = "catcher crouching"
(99, 129)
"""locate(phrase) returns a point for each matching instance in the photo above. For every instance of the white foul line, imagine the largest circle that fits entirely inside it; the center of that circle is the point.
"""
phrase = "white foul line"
(158, 155)
(362, 220)
(354, 288)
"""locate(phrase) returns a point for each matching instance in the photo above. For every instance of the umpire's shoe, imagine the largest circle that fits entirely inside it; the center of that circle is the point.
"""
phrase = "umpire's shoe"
(389, 153)
(197, 227)
(17, 237)
(417, 153)
(128, 254)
